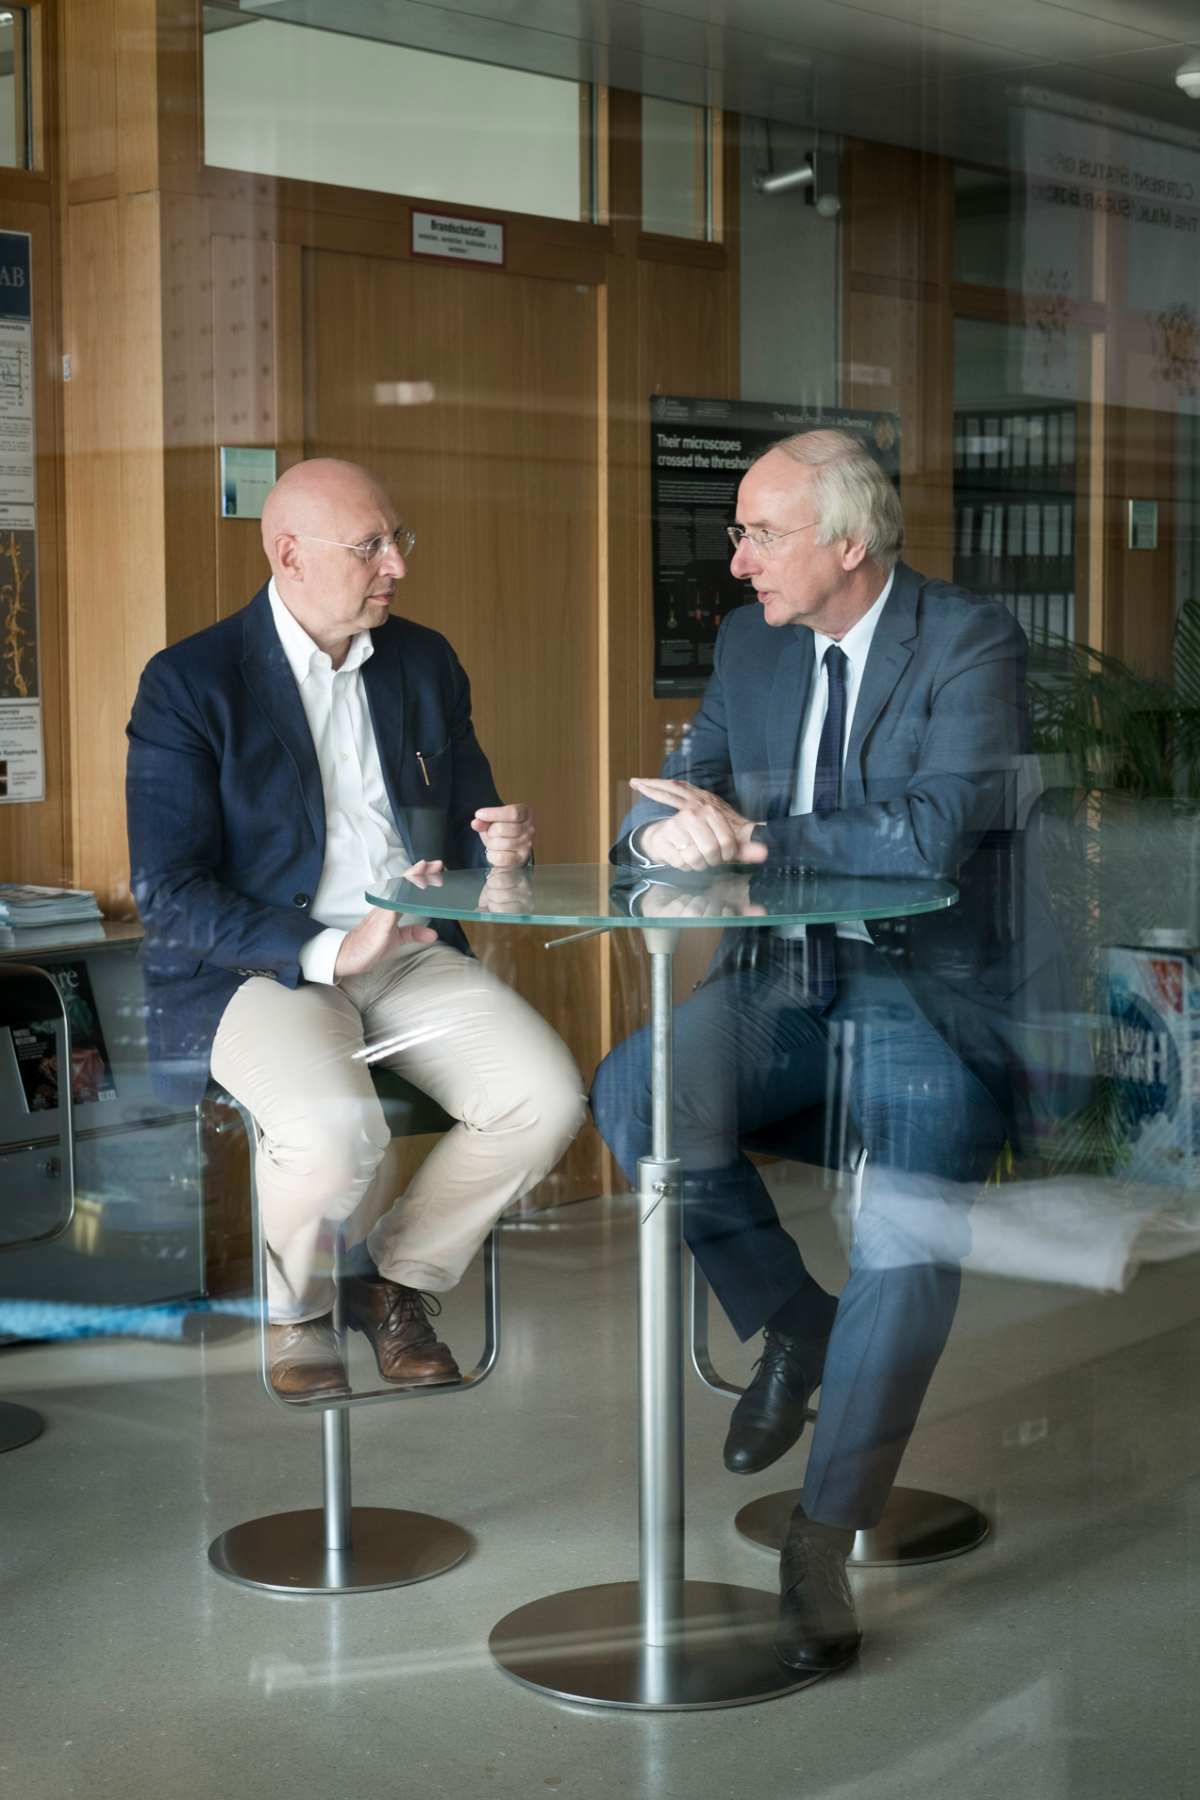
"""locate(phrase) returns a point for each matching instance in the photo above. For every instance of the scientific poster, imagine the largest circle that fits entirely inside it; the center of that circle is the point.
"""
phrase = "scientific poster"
(22, 760)
(699, 451)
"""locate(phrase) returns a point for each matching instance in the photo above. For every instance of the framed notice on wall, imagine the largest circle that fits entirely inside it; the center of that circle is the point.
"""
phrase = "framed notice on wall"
(22, 762)
(699, 450)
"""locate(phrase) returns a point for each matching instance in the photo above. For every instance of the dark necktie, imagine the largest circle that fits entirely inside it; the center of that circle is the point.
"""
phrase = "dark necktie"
(821, 940)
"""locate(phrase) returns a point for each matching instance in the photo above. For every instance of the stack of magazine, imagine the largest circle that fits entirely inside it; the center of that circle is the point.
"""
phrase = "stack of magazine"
(35, 919)
(49, 915)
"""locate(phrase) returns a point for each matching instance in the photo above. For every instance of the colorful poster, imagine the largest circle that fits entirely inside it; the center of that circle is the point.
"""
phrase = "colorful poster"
(36, 1047)
(699, 451)
(22, 759)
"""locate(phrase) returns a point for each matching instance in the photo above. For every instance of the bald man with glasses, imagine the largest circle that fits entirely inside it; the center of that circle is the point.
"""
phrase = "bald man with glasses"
(281, 763)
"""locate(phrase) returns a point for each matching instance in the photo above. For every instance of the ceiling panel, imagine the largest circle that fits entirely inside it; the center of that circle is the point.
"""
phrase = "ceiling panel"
(940, 74)
(1029, 27)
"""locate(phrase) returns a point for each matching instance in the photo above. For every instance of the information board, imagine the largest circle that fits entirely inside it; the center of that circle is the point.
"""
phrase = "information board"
(22, 761)
(699, 451)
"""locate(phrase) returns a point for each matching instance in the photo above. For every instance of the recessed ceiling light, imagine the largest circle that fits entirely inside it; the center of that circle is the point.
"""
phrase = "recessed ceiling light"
(1187, 77)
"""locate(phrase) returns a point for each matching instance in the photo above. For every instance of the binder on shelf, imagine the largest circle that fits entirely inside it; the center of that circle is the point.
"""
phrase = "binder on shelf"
(1020, 444)
(1068, 438)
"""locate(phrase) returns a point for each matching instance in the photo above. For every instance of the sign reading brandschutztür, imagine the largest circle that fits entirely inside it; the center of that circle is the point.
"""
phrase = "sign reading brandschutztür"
(447, 238)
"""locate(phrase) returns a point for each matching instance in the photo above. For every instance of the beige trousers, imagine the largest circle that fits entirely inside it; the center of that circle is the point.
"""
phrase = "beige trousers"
(298, 1058)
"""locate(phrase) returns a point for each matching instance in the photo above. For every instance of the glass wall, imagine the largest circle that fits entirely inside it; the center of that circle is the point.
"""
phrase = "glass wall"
(280, 99)
(676, 197)
(15, 88)
(599, 899)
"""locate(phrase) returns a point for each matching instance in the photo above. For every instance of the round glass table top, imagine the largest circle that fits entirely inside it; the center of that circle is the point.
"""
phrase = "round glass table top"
(599, 894)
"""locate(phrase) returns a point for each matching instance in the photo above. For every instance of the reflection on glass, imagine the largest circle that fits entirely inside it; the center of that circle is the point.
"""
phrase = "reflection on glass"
(1007, 308)
(675, 169)
(281, 99)
(15, 88)
(596, 894)
(1016, 472)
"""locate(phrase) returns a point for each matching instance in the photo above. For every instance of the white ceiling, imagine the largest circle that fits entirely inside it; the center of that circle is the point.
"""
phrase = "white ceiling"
(946, 75)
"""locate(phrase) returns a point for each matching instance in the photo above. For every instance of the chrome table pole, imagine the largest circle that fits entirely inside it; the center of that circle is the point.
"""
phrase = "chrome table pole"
(660, 1643)
(660, 1344)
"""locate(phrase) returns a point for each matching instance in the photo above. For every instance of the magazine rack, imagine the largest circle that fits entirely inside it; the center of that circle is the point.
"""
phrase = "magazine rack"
(27, 997)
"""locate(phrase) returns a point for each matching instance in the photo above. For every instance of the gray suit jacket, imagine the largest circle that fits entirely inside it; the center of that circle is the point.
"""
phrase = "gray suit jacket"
(936, 783)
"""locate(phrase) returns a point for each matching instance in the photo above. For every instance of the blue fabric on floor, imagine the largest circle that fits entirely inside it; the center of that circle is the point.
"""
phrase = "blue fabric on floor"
(50, 1319)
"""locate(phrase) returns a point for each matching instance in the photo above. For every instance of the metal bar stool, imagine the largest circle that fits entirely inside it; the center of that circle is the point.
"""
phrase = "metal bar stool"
(28, 995)
(917, 1526)
(339, 1548)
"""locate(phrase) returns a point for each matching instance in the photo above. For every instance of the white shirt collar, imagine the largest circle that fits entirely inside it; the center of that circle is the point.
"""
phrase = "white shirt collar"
(299, 648)
(857, 641)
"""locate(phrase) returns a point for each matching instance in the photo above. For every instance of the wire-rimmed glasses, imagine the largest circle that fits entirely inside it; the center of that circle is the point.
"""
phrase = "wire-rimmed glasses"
(372, 550)
(763, 540)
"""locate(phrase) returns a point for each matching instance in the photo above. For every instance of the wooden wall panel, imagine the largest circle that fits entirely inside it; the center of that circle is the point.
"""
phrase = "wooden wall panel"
(103, 660)
(898, 247)
(185, 418)
(244, 362)
(498, 476)
(1139, 585)
(140, 485)
(288, 345)
(90, 87)
(258, 355)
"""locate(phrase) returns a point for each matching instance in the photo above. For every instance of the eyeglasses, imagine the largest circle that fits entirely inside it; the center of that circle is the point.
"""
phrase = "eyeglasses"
(375, 549)
(763, 540)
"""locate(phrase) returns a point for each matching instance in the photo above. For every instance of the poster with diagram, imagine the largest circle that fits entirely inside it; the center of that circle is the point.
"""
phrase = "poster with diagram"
(699, 451)
(22, 759)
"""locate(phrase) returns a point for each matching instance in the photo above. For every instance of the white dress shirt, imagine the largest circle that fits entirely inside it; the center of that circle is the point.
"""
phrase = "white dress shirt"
(855, 647)
(362, 844)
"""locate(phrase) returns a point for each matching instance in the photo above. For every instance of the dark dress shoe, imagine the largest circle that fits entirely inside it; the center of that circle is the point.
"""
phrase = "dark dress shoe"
(396, 1320)
(769, 1417)
(818, 1631)
(304, 1361)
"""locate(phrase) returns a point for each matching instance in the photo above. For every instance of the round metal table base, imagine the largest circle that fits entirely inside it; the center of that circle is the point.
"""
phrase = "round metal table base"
(286, 1552)
(916, 1527)
(18, 1425)
(585, 1646)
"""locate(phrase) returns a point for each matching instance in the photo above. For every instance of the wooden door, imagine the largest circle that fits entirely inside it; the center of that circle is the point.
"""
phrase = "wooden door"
(472, 395)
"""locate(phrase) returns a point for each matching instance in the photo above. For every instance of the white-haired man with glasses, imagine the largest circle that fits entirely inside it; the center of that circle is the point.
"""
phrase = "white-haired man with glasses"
(282, 763)
(863, 720)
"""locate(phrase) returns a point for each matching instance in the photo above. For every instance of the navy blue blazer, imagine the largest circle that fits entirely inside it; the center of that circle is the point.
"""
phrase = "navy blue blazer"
(226, 811)
(938, 781)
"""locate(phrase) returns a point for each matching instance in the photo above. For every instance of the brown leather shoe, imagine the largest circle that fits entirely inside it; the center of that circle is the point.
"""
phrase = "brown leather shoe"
(396, 1319)
(304, 1360)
